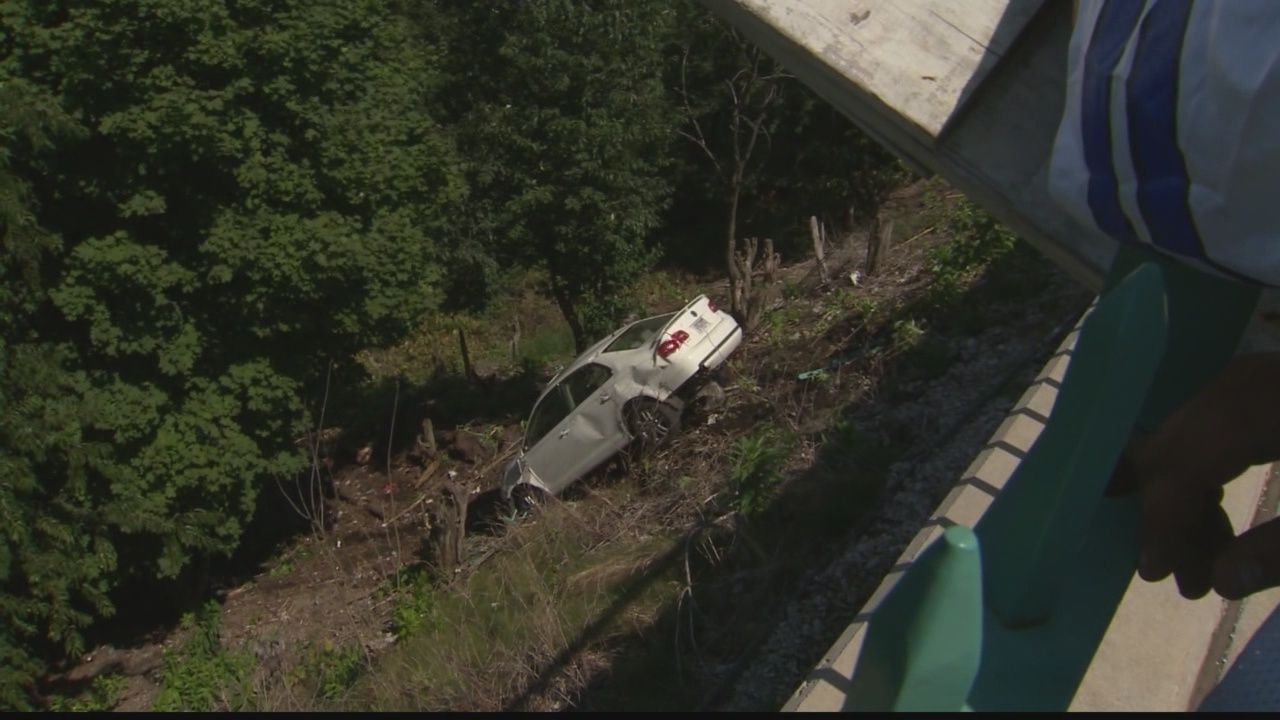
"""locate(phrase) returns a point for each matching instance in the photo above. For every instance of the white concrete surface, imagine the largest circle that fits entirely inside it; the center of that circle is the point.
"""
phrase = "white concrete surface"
(1152, 655)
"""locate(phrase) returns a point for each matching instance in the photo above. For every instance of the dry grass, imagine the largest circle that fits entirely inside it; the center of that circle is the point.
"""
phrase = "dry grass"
(532, 623)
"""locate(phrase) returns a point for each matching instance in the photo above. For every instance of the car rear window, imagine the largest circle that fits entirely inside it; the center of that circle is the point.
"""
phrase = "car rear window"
(639, 333)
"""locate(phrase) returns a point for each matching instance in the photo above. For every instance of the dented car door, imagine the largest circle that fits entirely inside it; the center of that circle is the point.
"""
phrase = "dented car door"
(586, 436)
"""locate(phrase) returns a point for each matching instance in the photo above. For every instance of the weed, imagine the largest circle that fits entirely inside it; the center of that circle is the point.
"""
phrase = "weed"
(907, 334)
(415, 604)
(505, 625)
(977, 240)
(103, 694)
(332, 671)
(853, 465)
(864, 307)
(280, 570)
(745, 384)
(201, 676)
(784, 324)
(755, 469)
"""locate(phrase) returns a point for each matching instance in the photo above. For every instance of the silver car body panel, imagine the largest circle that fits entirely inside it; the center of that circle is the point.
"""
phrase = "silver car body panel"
(594, 430)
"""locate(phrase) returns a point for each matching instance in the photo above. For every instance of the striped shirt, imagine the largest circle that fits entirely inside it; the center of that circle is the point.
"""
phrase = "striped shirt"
(1171, 131)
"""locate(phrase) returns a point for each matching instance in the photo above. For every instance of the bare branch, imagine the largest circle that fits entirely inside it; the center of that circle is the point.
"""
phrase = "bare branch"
(700, 139)
(700, 143)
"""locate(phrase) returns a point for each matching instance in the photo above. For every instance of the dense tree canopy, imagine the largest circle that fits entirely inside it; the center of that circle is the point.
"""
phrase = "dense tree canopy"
(204, 204)
(567, 126)
(237, 192)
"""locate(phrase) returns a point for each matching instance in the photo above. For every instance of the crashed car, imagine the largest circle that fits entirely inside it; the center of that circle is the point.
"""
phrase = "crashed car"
(630, 388)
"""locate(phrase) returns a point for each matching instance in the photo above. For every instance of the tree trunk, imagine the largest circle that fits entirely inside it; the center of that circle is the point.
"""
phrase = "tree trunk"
(737, 299)
(760, 294)
(570, 312)
(515, 340)
(448, 526)
(428, 437)
(850, 217)
(878, 244)
(467, 368)
(819, 248)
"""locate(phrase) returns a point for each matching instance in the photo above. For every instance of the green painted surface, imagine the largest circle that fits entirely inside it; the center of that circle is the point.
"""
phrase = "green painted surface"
(1056, 555)
(923, 651)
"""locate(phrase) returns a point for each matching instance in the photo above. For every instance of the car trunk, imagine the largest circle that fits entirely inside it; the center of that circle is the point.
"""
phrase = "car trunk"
(689, 330)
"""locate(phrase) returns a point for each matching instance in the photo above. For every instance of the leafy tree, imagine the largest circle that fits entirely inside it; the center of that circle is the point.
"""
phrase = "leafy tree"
(52, 572)
(561, 108)
(237, 192)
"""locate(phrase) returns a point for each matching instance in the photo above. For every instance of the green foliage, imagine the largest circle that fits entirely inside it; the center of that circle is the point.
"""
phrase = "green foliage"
(495, 633)
(102, 696)
(755, 469)
(564, 116)
(850, 449)
(201, 676)
(852, 465)
(415, 605)
(203, 205)
(193, 225)
(977, 240)
(332, 671)
(907, 333)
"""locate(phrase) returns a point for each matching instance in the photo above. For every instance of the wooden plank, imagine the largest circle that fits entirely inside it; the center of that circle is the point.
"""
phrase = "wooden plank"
(920, 57)
(989, 135)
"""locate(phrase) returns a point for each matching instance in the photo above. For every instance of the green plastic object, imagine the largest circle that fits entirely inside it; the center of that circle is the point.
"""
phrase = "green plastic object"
(1040, 520)
(1056, 555)
(922, 651)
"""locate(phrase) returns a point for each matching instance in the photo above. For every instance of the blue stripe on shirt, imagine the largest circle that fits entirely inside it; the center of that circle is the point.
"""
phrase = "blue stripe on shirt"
(1111, 33)
(1152, 92)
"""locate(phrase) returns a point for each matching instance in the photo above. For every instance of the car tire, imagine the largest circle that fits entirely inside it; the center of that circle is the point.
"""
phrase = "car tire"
(709, 398)
(652, 423)
(526, 498)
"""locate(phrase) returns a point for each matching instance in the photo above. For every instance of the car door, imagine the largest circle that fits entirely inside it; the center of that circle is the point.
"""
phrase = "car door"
(585, 433)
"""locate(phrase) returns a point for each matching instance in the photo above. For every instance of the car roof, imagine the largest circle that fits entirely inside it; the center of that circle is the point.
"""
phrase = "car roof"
(593, 353)
(590, 355)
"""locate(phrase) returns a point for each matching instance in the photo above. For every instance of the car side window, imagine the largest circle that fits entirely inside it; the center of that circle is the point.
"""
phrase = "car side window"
(555, 406)
(563, 398)
(584, 381)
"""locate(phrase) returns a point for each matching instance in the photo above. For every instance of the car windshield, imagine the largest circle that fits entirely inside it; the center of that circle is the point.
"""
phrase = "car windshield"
(639, 334)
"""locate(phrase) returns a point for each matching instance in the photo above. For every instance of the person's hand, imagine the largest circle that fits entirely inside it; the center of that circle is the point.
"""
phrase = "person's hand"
(1232, 424)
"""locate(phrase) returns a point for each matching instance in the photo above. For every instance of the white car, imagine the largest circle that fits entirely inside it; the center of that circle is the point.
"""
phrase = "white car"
(631, 386)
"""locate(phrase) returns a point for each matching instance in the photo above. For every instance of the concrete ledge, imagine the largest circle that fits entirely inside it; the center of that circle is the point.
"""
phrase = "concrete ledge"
(1152, 655)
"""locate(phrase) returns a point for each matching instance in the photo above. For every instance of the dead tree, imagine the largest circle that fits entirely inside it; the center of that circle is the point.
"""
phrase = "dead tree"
(755, 294)
(514, 345)
(753, 91)
(468, 369)
(819, 233)
(877, 244)
(424, 445)
(448, 518)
